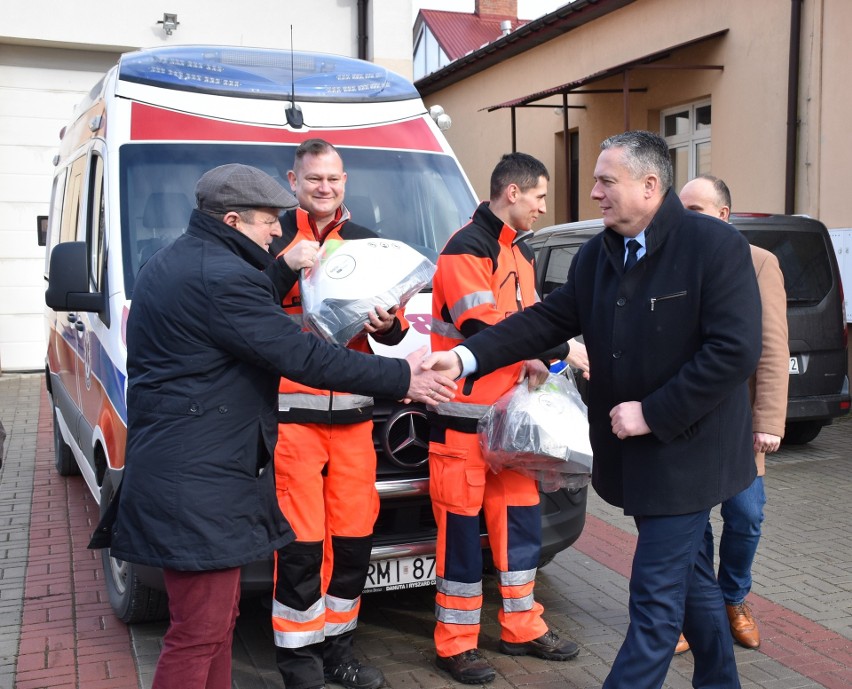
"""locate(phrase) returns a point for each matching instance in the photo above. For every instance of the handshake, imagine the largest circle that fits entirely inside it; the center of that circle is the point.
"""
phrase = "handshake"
(432, 376)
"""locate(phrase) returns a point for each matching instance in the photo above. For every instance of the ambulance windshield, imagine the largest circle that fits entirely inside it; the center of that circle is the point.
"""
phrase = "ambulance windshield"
(416, 197)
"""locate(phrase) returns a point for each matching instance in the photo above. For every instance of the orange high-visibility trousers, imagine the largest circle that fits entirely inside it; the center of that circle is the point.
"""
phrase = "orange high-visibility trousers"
(325, 477)
(462, 484)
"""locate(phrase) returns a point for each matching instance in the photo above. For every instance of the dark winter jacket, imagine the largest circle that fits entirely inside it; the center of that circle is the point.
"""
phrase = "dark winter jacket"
(680, 333)
(207, 341)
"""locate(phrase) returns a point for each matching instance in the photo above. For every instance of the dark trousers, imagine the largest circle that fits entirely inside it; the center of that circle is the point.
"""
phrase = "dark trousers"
(203, 609)
(673, 587)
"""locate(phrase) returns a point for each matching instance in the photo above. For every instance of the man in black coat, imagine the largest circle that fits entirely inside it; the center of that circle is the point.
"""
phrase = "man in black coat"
(668, 305)
(207, 342)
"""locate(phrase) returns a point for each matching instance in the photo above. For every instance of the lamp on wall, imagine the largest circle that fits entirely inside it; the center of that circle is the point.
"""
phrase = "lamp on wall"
(169, 22)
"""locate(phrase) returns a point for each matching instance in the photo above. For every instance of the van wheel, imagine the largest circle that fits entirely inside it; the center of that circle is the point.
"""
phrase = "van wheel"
(63, 457)
(801, 432)
(131, 600)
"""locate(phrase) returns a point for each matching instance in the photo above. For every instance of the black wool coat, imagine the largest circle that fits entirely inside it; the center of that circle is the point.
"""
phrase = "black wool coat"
(680, 333)
(207, 342)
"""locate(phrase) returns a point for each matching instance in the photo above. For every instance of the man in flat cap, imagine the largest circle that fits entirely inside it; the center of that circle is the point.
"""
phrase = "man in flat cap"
(207, 342)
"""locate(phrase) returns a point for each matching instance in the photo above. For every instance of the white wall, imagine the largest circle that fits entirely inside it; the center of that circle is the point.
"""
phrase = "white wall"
(323, 25)
(842, 240)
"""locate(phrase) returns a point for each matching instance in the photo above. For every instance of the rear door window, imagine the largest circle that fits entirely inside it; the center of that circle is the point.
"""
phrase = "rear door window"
(558, 260)
(804, 262)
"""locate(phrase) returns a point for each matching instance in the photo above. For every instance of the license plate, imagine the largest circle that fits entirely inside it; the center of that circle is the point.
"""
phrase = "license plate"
(400, 573)
(794, 366)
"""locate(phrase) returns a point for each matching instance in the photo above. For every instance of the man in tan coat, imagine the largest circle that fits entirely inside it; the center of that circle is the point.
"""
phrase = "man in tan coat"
(743, 514)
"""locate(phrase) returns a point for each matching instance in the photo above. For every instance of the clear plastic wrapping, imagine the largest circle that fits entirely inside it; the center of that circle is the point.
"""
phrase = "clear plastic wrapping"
(352, 277)
(541, 433)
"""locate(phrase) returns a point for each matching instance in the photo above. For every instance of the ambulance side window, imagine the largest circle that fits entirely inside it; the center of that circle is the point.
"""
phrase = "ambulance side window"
(71, 205)
(55, 216)
(96, 223)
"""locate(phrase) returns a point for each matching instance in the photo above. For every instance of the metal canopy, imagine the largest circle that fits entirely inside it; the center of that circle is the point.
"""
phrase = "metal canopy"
(647, 62)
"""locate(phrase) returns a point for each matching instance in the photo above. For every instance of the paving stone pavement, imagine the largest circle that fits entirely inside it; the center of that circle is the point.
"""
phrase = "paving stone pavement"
(56, 628)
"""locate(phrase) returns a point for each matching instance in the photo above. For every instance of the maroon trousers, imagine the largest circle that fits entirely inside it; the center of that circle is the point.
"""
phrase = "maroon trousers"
(203, 609)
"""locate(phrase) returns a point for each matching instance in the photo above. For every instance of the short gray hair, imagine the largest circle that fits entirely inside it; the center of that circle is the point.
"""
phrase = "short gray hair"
(645, 153)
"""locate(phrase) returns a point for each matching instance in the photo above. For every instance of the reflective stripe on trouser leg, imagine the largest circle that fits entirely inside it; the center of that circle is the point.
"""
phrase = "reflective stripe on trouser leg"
(325, 476)
(458, 603)
(351, 558)
(352, 505)
(513, 515)
(298, 615)
(457, 480)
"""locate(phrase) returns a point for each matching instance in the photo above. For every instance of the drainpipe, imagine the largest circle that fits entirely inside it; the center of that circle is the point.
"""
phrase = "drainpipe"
(362, 29)
(792, 107)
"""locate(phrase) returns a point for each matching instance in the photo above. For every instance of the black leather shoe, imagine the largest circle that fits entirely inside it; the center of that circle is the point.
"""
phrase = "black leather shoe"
(468, 667)
(548, 646)
(354, 675)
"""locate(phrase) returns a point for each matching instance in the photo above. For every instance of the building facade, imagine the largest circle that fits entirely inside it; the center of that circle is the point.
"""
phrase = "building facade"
(764, 108)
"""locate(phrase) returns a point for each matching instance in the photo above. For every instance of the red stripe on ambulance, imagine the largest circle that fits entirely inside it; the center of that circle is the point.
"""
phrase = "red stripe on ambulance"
(151, 123)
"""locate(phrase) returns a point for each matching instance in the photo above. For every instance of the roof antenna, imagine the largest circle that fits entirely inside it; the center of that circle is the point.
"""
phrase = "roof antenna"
(294, 112)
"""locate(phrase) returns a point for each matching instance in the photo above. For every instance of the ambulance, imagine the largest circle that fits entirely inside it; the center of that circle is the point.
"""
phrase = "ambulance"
(124, 187)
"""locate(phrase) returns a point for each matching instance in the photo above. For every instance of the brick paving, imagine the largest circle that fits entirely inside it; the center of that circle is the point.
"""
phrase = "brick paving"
(56, 628)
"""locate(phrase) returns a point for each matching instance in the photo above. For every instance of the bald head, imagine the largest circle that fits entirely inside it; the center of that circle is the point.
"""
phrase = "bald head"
(707, 195)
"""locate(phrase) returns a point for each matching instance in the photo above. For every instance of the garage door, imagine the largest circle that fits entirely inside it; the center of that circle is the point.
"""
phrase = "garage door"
(39, 88)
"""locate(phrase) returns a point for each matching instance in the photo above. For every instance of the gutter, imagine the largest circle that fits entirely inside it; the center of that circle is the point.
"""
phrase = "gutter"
(362, 29)
(792, 107)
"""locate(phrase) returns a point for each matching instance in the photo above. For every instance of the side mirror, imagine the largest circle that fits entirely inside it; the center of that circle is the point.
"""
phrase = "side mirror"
(41, 229)
(68, 280)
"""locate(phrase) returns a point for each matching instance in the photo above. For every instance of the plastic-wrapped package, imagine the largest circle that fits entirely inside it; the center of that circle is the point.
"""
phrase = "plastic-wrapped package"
(541, 433)
(352, 277)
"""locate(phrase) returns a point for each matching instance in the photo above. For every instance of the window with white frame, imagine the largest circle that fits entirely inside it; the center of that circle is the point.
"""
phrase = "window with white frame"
(686, 129)
(428, 55)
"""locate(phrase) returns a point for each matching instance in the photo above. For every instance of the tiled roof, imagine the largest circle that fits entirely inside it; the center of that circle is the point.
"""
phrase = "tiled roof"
(458, 33)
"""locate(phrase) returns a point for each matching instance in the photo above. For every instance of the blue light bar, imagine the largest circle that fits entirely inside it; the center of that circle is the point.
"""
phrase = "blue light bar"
(264, 73)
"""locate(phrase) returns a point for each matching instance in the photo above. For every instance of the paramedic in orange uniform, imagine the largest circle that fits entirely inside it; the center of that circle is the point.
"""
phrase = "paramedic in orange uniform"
(485, 274)
(325, 462)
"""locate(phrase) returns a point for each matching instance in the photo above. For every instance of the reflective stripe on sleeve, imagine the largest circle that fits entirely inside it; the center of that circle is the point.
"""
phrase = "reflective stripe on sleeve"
(469, 301)
(447, 330)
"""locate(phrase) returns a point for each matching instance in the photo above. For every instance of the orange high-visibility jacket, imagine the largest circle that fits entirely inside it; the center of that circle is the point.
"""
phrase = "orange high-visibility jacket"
(300, 403)
(485, 274)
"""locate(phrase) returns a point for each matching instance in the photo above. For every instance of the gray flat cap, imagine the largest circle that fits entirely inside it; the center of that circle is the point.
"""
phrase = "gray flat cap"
(236, 187)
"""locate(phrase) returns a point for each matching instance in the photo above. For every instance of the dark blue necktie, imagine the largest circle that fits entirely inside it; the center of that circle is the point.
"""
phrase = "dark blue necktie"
(632, 249)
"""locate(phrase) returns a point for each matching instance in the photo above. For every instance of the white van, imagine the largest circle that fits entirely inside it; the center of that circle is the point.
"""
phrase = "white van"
(124, 187)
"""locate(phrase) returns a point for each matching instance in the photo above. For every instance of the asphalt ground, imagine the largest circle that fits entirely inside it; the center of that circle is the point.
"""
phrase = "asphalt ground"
(57, 629)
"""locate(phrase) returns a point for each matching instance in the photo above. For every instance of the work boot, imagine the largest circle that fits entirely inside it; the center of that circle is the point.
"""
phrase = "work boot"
(743, 625)
(354, 675)
(467, 667)
(548, 646)
(682, 645)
